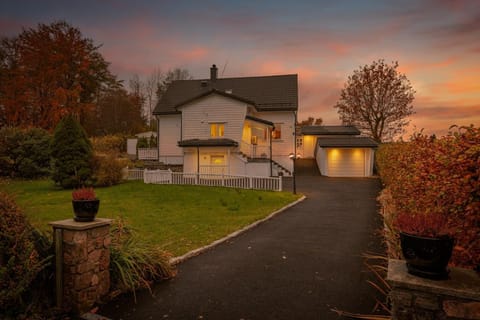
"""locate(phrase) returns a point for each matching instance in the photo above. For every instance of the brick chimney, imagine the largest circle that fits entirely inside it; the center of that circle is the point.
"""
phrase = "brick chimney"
(213, 73)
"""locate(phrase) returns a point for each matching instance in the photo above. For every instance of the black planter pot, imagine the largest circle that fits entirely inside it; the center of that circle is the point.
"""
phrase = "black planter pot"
(427, 257)
(85, 210)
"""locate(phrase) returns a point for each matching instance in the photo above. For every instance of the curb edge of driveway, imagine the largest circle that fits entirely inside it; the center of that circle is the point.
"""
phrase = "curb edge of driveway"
(198, 251)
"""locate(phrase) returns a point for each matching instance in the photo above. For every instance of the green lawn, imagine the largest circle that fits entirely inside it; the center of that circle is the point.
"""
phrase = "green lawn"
(179, 218)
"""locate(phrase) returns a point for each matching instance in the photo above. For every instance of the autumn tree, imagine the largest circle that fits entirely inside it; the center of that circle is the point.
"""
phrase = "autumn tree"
(47, 73)
(116, 111)
(377, 99)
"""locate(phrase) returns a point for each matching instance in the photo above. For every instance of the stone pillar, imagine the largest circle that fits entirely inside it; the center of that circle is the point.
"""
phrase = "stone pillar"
(82, 262)
(415, 298)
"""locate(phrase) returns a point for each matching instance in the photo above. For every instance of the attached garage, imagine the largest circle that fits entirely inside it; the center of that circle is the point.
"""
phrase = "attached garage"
(346, 156)
(346, 162)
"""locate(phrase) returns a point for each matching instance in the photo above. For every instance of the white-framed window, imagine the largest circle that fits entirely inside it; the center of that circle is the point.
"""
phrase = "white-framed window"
(277, 132)
(299, 142)
(217, 130)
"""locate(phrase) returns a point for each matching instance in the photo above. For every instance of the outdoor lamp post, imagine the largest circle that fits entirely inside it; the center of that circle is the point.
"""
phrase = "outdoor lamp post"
(294, 157)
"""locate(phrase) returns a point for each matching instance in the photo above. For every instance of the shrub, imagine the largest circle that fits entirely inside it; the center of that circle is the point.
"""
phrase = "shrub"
(24, 253)
(110, 144)
(72, 154)
(152, 142)
(107, 170)
(133, 264)
(142, 143)
(429, 176)
(24, 153)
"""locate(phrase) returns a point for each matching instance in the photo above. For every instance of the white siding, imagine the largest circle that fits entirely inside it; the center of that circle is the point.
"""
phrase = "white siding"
(283, 147)
(258, 169)
(309, 146)
(369, 160)
(197, 116)
(321, 158)
(170, 128)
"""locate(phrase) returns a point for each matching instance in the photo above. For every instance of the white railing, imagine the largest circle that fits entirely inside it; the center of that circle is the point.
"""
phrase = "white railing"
(203, 179)
(212, 169)
(134, 174)
(157, 176)
(147, 154)
(255, 150)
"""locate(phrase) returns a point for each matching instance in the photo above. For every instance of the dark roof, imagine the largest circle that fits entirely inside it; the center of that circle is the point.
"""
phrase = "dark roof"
(330, 130)
(347, 142)
(208, 143)
(268, 123)
(212, 91)
(268, 93)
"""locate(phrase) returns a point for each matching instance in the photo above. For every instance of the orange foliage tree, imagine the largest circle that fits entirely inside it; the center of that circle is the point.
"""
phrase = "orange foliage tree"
(47, 73)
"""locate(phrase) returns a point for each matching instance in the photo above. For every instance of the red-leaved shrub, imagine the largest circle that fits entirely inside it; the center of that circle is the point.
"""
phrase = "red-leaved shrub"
(428, 176)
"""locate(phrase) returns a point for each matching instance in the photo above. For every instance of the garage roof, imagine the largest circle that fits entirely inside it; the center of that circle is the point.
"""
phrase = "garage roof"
(330, 130)
(347, 142)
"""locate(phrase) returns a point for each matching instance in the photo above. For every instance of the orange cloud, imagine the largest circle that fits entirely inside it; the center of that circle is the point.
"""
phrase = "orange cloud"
(196, 53)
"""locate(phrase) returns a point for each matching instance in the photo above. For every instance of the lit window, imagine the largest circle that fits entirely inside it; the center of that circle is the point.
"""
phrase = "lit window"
(277, 132)
(217, 160)
(217, 130)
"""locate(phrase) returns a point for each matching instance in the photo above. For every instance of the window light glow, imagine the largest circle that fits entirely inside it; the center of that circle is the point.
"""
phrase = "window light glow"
(217, 130)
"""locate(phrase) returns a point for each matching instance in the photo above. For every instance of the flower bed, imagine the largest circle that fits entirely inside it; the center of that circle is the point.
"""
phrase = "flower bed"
(429, 176)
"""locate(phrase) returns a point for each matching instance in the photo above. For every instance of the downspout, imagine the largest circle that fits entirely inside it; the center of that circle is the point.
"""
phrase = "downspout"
(198, 160)
(294, 152)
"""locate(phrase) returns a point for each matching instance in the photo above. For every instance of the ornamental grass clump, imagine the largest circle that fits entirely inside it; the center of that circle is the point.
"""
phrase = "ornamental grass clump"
(135, 264)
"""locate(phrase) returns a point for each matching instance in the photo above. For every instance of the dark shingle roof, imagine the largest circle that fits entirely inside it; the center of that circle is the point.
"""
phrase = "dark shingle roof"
(347, 142)
(268, 93)
(330, 130)
(208, 143)
(268, 123)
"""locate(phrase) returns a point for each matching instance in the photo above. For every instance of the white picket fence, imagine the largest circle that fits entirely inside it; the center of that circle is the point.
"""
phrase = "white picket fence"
(212, 180)
(147, 153)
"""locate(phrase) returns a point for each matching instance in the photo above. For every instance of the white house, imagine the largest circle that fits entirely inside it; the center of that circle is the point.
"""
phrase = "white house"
(243, 126)
(339, 150)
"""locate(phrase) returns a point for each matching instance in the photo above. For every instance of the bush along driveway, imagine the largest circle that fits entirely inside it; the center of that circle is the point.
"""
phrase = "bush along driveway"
(298, 265)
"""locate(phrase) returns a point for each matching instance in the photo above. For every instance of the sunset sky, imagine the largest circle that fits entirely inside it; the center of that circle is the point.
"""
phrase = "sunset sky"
(436, 42)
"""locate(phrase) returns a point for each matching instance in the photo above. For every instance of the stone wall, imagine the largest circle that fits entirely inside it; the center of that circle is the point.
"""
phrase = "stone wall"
(415, 298)
(84, 271)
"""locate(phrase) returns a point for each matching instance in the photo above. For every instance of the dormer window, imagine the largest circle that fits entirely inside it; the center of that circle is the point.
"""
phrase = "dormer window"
(217, 130)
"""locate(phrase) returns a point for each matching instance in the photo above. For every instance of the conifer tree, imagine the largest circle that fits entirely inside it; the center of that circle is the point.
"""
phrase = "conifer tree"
(72, 155)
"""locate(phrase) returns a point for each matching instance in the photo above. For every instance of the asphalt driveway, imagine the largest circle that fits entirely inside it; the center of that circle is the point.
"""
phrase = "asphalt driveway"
(299, 265)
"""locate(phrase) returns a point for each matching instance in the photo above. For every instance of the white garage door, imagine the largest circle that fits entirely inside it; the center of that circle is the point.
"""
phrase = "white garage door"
(346, 162)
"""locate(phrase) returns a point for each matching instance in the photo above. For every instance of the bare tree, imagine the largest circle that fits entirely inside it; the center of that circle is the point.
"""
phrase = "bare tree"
(153, 82)
(172, 75)
(377, 99)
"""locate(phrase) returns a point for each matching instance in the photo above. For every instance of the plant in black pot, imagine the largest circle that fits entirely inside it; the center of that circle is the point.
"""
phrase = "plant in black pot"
(85, 204)
(427, 243)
